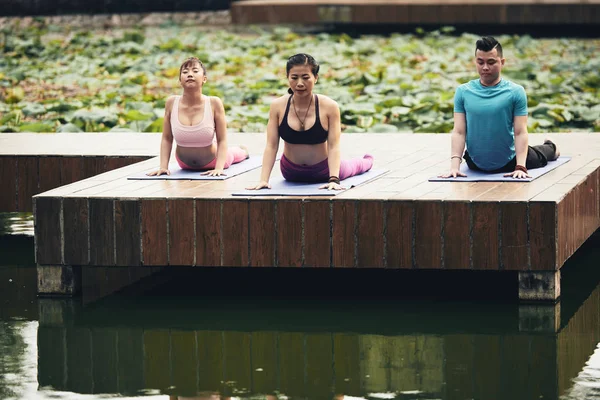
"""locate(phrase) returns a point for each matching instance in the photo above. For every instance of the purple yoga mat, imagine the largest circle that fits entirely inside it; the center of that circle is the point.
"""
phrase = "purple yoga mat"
(479, 176)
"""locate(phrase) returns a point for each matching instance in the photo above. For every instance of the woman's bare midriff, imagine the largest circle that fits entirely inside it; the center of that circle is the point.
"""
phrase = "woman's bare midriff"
(305, 154)
(197, 156)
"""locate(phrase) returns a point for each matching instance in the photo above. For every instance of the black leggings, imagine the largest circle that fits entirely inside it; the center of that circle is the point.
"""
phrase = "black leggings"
(537, 157)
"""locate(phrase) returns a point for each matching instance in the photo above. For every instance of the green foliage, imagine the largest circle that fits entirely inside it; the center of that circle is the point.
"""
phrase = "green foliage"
(58, 79)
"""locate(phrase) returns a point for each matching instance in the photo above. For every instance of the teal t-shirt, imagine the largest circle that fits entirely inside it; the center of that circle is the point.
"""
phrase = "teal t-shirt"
(489, 113)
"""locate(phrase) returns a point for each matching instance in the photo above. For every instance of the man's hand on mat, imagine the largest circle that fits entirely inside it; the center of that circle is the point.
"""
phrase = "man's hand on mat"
(160, 171)
(453, 173)
(332, 186)
(214, 172)
(261, 185)
(518, 174)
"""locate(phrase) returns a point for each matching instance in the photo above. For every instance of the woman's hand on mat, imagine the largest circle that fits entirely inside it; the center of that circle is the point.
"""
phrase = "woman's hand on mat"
(261, 185)
(453, 173)
(160, 171)
(214, 172)
(332, 186)
(518, 174)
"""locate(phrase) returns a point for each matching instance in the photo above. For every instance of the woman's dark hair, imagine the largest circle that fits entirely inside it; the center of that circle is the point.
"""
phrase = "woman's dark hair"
(189, 63)
(301, 59)
(488, 43)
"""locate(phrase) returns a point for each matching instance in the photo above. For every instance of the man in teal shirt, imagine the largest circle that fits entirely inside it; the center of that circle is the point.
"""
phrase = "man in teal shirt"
(490, 117)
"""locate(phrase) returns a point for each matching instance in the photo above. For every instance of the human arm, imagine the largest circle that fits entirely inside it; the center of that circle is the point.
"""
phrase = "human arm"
(221, 134)
(457, 145)
(270, 150)
(166, 141)
(333, 146)
(521, 147)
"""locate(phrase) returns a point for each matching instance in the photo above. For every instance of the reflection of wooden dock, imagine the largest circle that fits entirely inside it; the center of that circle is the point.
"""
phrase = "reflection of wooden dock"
(420, 12)
(399, 221)
(112, 347)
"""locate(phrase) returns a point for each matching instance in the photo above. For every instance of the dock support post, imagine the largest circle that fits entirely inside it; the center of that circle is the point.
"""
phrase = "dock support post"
(62, 280)
(539, 286)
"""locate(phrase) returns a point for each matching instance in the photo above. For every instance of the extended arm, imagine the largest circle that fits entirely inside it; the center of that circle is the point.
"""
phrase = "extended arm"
(166, 142)
(221, 134)
(270, 150)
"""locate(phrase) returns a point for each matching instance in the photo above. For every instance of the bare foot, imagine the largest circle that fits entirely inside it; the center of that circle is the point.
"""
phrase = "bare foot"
(245, 149)
(556, 151)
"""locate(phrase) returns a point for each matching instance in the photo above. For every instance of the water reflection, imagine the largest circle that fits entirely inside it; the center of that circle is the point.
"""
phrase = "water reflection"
(16, 224)
(216, 344)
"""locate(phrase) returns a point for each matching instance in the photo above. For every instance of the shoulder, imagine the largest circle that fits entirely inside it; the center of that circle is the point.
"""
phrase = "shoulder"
(327, 103)
(169, 103)
(516, 90)
(279, 103)
(215, 102)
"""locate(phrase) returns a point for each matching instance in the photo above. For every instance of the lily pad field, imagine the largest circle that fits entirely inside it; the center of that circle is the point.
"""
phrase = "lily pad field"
(60, 79)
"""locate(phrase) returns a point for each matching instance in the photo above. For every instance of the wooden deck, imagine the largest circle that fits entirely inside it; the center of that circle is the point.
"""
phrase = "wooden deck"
(421, 12)
(399, 221)
(35, 163)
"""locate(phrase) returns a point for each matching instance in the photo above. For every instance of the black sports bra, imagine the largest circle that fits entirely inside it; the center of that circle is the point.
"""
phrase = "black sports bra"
(315, 135)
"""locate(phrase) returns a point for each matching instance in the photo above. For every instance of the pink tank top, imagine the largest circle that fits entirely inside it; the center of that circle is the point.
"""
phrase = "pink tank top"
(199, 135)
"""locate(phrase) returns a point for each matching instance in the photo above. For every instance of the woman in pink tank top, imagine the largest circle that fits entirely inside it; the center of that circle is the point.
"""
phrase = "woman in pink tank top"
(197, 125)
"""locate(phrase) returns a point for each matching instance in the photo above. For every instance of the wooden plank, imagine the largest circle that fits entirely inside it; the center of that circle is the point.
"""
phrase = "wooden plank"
(127, 233)
(343, 235)
(49, 168)
(208, 232)
(76, 231)
(542, 235)
(157, 360)
(370, 234)
(428, 234)
(184, 362)
(71, 170)
(210, 360)
(182, 235)
(514, 248)
(289, 233)
(48, 230)
(111, 163)
(400, 234)
(154, 232)
(28, 182)
(102, 232)
(8, 177)
(457, 235)
(93, 165)
(317, 242)
(264, 362)
(262, 233)
(234, 238)
(485, 236)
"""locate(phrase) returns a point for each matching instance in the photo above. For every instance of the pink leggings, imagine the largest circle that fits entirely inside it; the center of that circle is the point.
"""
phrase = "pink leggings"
(234, 156)
(320, 172)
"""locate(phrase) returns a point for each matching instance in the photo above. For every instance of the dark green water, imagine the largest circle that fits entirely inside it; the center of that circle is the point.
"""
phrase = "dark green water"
(257, 335)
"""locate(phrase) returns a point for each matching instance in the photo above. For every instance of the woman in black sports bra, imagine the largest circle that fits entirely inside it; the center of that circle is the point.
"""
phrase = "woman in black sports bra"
(310, 126)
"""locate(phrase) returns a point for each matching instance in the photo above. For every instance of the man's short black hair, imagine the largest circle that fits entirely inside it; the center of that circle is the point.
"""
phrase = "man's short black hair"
(488, 43)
